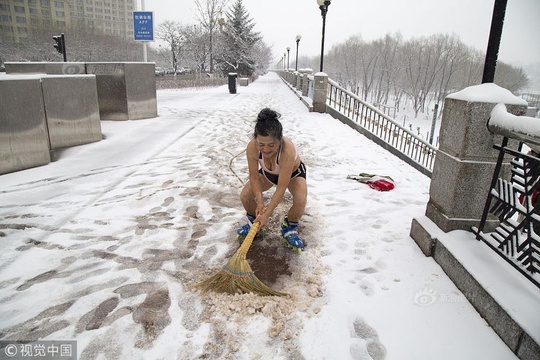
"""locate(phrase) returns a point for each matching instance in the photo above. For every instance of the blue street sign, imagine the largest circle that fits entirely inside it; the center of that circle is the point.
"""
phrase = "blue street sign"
(143, 25)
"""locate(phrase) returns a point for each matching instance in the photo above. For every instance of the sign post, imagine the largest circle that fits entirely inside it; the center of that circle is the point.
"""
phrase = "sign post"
(143, 28)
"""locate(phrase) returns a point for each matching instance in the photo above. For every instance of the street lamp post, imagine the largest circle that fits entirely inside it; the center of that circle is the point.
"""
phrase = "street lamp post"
(298, 37)
(323, 5)
(495, 34)
(284, 60)
(288, 57)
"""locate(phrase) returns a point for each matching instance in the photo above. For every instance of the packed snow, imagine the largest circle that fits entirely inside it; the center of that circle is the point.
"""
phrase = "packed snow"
(489, 93)
(105, 244)
(526, 125)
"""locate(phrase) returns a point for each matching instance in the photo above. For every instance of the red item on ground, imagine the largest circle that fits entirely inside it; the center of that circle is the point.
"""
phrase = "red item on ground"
(381, 185)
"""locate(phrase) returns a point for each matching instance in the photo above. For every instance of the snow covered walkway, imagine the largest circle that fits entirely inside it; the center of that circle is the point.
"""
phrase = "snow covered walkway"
(104, 245)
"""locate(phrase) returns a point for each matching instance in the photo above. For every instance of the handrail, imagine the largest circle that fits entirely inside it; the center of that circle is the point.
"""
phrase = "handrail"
(514, 201)
(382, 126)
(374, 124)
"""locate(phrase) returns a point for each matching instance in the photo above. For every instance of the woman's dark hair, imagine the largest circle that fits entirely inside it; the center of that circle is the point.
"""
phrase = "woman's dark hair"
(268, 124)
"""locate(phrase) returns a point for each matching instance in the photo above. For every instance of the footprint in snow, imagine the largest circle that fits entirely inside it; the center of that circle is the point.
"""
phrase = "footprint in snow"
(366, 343)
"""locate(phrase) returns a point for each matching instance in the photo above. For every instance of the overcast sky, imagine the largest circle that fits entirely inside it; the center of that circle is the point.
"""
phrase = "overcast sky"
(280, 21)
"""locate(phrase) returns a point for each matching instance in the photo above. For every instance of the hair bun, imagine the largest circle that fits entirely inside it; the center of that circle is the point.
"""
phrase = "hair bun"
(267, 114)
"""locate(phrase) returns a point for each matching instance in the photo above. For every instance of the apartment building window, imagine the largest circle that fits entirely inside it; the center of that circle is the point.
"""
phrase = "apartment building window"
(22, 30)
(60, 14)
(19, 9)
(20, 19)
(5, 18)
(45, 12)
(32, 2)
(59, 3)
(18, 1)
(44, 2)
(33, 11)
(3, 7)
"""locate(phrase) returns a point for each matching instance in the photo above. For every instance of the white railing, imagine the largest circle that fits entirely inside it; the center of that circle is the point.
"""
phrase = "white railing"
(381, 126)
(373, 123)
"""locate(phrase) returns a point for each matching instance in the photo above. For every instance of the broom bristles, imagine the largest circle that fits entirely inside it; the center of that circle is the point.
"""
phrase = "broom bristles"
(237, 276)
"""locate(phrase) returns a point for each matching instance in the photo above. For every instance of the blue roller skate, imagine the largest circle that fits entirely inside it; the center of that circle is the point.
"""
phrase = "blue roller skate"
(289, 235)
(243, 230)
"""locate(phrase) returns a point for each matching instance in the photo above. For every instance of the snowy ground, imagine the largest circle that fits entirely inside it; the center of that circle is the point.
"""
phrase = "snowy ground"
(105, 244)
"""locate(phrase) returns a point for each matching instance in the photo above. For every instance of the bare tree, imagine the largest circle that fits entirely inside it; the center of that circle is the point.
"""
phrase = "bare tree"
(171, 33)
(424, 69)
(209, 14)
(196, 51)
(454, 58)
(83, 43)
(511, 78)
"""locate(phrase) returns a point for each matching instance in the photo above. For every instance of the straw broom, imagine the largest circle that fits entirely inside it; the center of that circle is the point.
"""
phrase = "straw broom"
(237, 276)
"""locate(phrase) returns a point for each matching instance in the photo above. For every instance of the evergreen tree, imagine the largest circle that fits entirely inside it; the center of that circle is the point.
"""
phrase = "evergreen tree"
(239, 40)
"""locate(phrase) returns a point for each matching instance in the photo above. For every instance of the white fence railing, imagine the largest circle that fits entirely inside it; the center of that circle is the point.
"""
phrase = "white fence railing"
(373, 123)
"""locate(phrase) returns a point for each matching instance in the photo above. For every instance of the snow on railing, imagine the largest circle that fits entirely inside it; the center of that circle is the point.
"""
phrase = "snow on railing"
(382, 126)
(516, 202)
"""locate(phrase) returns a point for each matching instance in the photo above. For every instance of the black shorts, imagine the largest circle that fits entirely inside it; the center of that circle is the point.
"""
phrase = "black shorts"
(300, 172)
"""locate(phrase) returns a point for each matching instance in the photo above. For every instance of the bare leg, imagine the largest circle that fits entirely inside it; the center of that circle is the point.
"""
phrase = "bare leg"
(298, 190)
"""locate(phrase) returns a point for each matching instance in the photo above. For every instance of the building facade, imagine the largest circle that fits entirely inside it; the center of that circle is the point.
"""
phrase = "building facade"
(19, 19)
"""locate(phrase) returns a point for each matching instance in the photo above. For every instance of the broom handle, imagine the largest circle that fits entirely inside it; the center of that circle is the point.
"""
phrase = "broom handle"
(249, 238)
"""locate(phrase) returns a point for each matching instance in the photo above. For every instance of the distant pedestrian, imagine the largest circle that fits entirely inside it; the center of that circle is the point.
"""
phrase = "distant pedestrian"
(273, 160)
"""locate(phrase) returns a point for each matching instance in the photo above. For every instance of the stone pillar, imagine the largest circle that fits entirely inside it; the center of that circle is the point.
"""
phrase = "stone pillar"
(320, 84)
(298, 77)
(466, 160)
(305, 80)
(305, 84)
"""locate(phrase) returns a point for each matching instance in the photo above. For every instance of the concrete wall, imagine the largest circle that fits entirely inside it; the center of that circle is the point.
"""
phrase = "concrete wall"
(53, 68)
(24, 140)
(72, 110)
(39, 113)
(126, 91)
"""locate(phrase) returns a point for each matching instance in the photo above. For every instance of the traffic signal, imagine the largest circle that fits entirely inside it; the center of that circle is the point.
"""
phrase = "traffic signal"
(59, 46)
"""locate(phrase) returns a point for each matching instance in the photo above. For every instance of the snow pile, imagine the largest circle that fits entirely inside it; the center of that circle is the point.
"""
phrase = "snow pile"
(487, 93)
(501, 119)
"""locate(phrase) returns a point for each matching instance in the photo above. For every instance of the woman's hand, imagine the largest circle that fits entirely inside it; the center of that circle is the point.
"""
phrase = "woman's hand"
(263, 218)
(260, 209)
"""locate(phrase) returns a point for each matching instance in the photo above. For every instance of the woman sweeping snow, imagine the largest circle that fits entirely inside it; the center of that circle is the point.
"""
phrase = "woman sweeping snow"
(273, 160)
